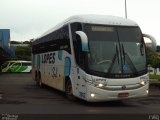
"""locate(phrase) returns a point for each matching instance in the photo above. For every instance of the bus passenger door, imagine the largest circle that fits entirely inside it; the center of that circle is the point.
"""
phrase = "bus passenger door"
(38, 62)
(38, 65)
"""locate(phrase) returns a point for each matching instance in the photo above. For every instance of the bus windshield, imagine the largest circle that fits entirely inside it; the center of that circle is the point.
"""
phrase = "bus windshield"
(116, 50)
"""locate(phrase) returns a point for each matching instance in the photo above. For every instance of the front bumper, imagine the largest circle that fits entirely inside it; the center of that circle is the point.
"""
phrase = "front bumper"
(108, 95)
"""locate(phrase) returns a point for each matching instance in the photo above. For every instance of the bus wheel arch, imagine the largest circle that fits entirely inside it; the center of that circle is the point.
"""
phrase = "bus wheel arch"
(35, 76)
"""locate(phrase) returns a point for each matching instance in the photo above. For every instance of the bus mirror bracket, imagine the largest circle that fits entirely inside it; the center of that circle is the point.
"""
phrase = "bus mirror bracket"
(84, 40)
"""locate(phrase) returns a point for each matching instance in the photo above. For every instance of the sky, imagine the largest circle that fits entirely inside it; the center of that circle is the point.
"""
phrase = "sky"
(28, 19)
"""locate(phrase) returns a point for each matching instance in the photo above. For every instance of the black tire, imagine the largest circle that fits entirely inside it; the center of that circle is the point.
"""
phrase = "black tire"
(39, 81)
(69, 91)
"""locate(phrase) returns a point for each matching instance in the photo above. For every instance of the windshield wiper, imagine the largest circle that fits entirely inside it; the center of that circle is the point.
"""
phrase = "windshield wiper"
(124, 58)
(116, 55)
(128, 60)
(142, 47)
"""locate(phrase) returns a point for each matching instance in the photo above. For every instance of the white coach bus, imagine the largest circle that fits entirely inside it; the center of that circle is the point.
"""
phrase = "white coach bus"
(92, 57)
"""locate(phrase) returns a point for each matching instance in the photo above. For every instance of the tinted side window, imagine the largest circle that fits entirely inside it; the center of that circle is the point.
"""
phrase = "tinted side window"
(76, 40)
(57, 40)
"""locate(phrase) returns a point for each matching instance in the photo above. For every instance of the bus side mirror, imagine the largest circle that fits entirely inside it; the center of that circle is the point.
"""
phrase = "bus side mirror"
(84, 40)
(153, 42)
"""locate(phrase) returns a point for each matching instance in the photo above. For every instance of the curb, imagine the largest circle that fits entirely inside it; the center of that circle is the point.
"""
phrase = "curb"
(155, 84)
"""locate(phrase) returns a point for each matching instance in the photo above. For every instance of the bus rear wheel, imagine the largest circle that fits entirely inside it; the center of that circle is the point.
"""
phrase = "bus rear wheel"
(39, 81)
(69, 91)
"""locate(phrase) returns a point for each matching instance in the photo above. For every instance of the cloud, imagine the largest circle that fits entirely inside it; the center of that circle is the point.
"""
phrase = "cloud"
(29, 18)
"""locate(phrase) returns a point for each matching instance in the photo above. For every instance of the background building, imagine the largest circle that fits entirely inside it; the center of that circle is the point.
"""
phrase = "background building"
(6, 51)
(4, 37)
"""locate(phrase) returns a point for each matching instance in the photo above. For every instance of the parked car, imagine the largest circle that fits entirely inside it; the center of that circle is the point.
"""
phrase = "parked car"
(16, 66)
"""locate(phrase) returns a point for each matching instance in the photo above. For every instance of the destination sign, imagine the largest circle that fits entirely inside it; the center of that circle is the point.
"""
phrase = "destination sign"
(102, 28)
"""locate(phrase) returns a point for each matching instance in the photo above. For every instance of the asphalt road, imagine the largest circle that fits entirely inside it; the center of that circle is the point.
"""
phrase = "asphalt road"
(21, 97)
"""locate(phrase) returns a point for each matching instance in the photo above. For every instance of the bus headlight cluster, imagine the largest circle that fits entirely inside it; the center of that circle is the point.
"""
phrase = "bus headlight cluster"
(99, 82)
(144, 80)
(92, 95)
(100, 85)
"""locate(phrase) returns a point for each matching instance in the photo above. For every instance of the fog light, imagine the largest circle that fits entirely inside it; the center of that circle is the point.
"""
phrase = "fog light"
(92, 95)
(147, 91)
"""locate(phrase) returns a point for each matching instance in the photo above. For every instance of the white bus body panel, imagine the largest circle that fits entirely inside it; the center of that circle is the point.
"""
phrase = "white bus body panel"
(53, 69)
(104, 95)
(113, 87)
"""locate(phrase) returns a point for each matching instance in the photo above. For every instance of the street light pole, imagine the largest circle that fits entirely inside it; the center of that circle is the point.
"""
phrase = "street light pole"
(125, 9)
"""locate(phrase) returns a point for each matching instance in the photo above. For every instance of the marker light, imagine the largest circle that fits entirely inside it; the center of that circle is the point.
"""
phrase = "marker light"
(92, 94)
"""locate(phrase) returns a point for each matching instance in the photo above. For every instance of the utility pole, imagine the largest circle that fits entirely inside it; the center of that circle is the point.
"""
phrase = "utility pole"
(125, 9)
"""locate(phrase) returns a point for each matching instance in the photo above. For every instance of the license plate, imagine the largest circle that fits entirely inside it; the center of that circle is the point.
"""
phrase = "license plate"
(123, 94)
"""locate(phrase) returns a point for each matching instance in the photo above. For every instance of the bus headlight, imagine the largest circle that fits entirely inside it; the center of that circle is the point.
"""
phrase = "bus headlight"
(143, 82)
(99, 82)
(92, 95)
(100, 85)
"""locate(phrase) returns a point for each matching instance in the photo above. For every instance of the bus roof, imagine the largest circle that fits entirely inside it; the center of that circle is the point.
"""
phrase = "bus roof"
(92, 19)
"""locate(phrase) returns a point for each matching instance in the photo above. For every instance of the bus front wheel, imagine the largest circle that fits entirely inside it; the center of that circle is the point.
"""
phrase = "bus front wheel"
(69, 91)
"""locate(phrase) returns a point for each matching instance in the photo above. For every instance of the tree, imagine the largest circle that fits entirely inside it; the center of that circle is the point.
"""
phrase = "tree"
(153, 59)
(155, 63)
(26, 42)
(23, 53)
(158, 48)
(15, 42)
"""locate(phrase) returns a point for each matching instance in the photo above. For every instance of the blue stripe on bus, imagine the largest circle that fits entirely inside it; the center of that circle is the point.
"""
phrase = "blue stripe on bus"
(67, 66)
